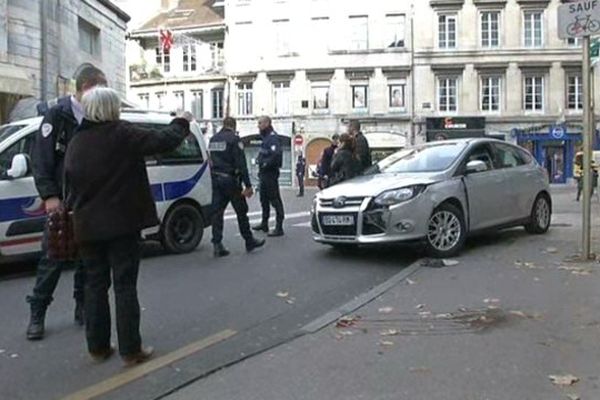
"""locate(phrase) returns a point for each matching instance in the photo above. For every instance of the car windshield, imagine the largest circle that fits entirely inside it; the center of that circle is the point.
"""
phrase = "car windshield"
(7, 130)
(428, 158)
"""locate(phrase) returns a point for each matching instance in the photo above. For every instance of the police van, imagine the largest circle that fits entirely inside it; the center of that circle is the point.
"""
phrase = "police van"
(180, 183)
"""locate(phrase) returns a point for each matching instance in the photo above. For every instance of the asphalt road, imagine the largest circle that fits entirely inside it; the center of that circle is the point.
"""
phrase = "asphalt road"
(190, 297)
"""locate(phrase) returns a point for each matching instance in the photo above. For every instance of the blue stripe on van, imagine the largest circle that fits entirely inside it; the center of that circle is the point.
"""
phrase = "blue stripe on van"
(14, 209)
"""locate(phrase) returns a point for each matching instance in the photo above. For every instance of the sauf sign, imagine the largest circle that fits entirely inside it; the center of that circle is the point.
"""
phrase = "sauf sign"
(578, 19)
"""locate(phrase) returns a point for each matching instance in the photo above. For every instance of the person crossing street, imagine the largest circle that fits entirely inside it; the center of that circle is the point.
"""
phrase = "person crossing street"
(229, 171)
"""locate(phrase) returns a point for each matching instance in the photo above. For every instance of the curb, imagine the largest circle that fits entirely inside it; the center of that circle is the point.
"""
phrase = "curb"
(358, 302)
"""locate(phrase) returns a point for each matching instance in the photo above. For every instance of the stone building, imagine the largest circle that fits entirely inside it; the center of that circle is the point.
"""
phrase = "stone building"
(43, 43)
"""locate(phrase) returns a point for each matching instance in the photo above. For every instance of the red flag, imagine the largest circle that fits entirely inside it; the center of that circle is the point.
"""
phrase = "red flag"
(166, 40)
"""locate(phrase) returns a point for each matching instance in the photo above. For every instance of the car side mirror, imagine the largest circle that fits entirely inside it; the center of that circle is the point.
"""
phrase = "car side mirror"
(19, 167)
(475, 166)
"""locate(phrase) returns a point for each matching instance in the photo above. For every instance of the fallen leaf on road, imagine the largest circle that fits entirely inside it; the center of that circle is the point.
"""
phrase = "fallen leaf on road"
(551, 250)
(345, 333)
(487, 301)
(347, 321)
(420, 306)
(386, 310)
(445, 315)
(563, 380)
(389, 332)
(14, 355)
(410, 282)
(529, 265)
(425, 313)
(386, 343)
(573, 397)
(518, 313)
(291, 300)
(450, 263)
(283, 295)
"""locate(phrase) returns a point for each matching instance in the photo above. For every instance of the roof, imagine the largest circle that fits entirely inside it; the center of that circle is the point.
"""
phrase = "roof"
(120, 13)
(188, 13)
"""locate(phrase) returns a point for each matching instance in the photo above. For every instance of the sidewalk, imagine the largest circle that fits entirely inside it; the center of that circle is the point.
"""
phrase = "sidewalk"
(511, 313)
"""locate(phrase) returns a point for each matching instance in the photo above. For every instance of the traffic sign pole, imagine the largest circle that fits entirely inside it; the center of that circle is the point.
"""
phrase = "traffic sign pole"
(587, 150)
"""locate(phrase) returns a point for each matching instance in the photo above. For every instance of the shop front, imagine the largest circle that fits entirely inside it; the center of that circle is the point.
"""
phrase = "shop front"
(554, 148)
(252, 145)
(448, 128)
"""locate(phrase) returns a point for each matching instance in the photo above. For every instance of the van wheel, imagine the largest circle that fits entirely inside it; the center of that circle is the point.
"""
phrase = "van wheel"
(446, 231)
(182, 229)
(541, 216)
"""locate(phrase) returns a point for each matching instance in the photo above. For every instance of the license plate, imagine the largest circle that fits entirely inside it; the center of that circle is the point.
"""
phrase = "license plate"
(338, 220)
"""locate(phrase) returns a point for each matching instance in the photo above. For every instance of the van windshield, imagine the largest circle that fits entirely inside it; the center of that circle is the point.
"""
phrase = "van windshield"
(7, 130)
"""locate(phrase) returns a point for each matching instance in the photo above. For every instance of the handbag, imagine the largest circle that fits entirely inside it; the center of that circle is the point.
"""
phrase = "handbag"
(61, 238)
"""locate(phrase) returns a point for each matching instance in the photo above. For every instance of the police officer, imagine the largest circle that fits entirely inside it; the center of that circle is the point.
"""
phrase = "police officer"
(229, 171)
(270, 159)
(50, 145)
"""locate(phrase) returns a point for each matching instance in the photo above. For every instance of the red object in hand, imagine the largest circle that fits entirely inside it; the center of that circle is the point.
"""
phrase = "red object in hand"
(61, 241)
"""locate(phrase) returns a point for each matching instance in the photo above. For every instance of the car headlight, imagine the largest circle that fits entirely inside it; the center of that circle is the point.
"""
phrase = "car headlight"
(391, 197)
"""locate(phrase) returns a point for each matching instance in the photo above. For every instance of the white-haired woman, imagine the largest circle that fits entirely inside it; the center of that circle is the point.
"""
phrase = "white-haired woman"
(111, 200)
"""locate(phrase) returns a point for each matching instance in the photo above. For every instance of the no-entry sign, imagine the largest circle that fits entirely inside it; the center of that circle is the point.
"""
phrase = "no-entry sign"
(298, 140)
(578, 19)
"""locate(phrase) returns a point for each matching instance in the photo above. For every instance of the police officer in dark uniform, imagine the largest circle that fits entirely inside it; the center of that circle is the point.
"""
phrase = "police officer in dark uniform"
(229, 172)
(58, 127)
(270, 160)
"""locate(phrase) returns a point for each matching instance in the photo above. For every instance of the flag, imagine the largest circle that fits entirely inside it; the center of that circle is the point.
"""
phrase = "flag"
(166, 40)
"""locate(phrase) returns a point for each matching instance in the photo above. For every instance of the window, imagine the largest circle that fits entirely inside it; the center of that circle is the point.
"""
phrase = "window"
(320, 95)
(447, 31)
(189, 58)
(396, 26)
(217, 55)
(359, 97)
(574, 92)
(447, 94)
(320, 42)
(281, 98)
(490, 28)
(163, 60)
(507, 157)
(197, 104)
(490, 93)
(533, 29)
(144, 100)
(23, 146)
(160, 97)
(397, 96)
(217, 103)
(188, 152)
(481, 153)
(533, 93)
(245, 99)
(282, 36)
(89, 37)
(179, 100)
(574, 42)
(359, 33)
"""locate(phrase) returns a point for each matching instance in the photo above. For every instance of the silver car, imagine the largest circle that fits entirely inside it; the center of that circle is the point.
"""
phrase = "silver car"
(438, 193)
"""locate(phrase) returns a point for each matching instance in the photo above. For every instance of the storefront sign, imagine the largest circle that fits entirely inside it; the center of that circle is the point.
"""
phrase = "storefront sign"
(557, 132)
(454, 128)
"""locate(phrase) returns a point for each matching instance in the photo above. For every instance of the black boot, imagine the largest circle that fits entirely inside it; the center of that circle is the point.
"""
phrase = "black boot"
(254, 244)
(35, 330)
(278, 231)
(261, 227)
(220, 251)
(79, 313)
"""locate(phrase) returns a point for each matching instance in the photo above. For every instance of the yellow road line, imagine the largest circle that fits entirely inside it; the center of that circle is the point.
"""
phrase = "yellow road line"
(140, 371)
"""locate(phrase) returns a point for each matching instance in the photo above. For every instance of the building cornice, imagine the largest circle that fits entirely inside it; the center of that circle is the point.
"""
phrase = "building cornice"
(490, 3)
(177, 81)
(146, 33)
(533, 3)
(446, 4)
(497, 53)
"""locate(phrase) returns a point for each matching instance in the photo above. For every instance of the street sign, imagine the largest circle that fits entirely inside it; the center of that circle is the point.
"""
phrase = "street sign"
(579, 19)
(557, 132)
(298, 140)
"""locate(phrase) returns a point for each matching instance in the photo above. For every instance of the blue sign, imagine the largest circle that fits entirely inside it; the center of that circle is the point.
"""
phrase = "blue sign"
(557, 132)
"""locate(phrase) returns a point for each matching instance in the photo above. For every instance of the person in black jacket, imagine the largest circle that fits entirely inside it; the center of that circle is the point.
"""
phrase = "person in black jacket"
(363, 151)
(270, 160)
(50, 145)
(345, 164)
(229, 171)
(111, 200)
(300, 173)
(326, 158)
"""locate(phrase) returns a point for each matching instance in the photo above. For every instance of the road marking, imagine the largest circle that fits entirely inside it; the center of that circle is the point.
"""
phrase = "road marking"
(232, 215)
(289, 216)
(142, 370)
(302, 225)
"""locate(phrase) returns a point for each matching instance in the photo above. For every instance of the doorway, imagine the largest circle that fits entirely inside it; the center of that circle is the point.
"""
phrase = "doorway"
(554, 162)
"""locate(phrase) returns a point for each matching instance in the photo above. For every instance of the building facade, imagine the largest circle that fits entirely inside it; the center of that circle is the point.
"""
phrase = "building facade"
(43, 43)
(498, 67)
(190, 76)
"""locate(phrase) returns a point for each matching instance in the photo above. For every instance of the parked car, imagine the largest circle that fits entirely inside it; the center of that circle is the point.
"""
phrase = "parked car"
(180, 182)
(438, 193)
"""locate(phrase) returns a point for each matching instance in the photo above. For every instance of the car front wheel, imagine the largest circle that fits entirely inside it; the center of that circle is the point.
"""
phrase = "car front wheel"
(541, 216)
(182, 229)
(446, 232)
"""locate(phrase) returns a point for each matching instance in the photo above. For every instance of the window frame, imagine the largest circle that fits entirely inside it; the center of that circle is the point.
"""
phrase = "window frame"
(179, 96)
(364, 87)
(389, 18)
(189, 58)
(439, 97)
(92, 33)
(279, 88)
(578, 92)
(163, 60)
(327, 89)
(483, 37)
(497, 148)
(391, 86)
(534, 110)
(162, 158)
(533, 44)
(218, 109)
(245, 92)
(445, 44)
(482, 95)
(353, 32)
(197, 98)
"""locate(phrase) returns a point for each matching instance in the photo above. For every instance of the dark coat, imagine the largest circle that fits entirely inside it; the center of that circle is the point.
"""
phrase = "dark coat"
(49, 148)
(301, 166)
(270, 156)
(363, 151)
(344, 166)
(109, 191)
(227, 156)
(326, 159)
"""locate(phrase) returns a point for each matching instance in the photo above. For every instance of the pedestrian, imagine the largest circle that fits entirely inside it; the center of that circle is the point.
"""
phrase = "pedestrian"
(50, 145)
(578, 173)
(229, 171)
(112, 203)
(326, 158)
(346, 164)
(300, 172)
(269, 160)
(363, 150)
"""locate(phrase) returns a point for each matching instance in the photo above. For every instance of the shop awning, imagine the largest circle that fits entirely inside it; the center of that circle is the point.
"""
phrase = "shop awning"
(14, 80)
